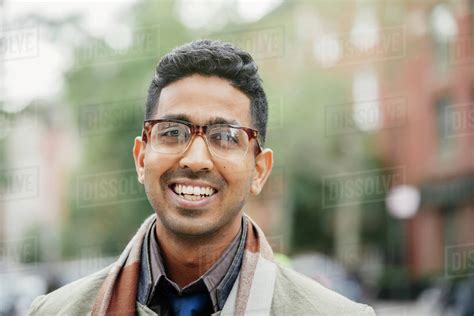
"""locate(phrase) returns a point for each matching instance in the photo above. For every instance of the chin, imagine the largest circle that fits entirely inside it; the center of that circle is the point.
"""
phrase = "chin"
(191, 226)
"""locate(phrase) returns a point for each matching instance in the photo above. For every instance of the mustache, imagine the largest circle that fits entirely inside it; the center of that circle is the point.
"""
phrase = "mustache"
(203, 175)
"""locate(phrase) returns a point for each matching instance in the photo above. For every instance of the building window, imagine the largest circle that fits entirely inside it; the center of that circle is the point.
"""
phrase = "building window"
(449, 223)
(445, 128)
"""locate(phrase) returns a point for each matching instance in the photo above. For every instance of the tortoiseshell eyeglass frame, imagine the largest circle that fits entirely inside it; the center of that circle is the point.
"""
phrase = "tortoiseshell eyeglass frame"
(199, 130)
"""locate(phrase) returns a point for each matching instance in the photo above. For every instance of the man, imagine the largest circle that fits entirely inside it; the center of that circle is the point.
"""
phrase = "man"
(200, 156)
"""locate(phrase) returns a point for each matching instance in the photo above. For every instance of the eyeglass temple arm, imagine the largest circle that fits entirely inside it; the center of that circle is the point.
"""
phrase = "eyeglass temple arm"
(254, 134)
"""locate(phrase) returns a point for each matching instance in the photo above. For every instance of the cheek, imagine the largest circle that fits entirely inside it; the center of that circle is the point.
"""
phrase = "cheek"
(155, 163)
(154, 168)
(237, 175)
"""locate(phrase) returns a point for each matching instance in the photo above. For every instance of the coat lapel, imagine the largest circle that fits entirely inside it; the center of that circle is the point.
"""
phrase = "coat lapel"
(253, 293)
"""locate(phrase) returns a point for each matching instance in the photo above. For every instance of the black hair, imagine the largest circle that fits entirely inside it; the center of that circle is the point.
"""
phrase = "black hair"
(212, 58)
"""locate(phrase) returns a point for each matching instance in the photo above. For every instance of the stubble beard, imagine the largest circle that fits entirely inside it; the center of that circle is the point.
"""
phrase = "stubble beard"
(186, 223)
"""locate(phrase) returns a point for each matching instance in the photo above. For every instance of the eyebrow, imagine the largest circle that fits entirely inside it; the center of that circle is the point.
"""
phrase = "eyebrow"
(211, 121)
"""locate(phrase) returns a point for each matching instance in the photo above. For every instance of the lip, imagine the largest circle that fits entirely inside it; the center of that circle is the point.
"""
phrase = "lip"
(183, 203)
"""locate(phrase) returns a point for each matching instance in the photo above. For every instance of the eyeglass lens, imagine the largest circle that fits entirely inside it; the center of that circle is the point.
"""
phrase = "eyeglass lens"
(223, 141)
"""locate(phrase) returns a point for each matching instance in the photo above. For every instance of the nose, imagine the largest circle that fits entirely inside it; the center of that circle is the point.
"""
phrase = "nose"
(197, 156)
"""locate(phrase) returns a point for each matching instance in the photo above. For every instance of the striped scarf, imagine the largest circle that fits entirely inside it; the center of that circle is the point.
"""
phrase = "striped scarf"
(118, 293)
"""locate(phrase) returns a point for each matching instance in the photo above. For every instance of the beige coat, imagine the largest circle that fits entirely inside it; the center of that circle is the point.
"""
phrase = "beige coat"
(274, 291)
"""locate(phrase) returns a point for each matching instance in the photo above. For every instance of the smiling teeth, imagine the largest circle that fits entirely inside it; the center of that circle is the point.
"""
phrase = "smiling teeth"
(192, 192)
(192, 197)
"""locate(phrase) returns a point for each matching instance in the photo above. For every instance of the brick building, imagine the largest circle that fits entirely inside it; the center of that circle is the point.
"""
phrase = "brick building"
(435, 143)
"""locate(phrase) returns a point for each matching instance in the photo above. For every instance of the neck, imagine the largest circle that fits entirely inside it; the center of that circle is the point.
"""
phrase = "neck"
(200, 253)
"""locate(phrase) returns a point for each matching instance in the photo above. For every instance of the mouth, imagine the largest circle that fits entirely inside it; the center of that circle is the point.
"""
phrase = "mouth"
(192, 196)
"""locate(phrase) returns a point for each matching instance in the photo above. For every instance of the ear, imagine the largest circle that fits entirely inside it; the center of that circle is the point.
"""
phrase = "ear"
(139, 156)
(263, 167)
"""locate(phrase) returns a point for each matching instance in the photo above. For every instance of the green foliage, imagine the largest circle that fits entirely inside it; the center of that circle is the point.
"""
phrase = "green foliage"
(115, 83)
(312, 224)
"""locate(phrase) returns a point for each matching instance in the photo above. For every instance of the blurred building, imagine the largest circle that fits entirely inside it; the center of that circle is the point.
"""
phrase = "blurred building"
(34, 180)
(434, 141)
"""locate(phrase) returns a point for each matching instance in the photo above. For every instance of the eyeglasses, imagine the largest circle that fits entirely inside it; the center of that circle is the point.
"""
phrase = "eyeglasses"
(223, 140)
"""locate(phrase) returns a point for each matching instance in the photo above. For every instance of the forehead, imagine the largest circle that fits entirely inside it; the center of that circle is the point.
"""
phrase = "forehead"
(203, 99)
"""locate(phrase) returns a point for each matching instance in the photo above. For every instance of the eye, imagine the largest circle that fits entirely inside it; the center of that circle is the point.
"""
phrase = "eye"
(232, 137)
(171, 133)
(172, 130)
(228, 136)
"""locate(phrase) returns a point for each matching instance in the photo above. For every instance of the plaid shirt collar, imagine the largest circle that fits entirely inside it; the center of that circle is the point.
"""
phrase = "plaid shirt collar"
(218, 280)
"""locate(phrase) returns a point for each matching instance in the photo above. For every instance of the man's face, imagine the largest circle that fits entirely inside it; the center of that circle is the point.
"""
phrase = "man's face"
(199, 99)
